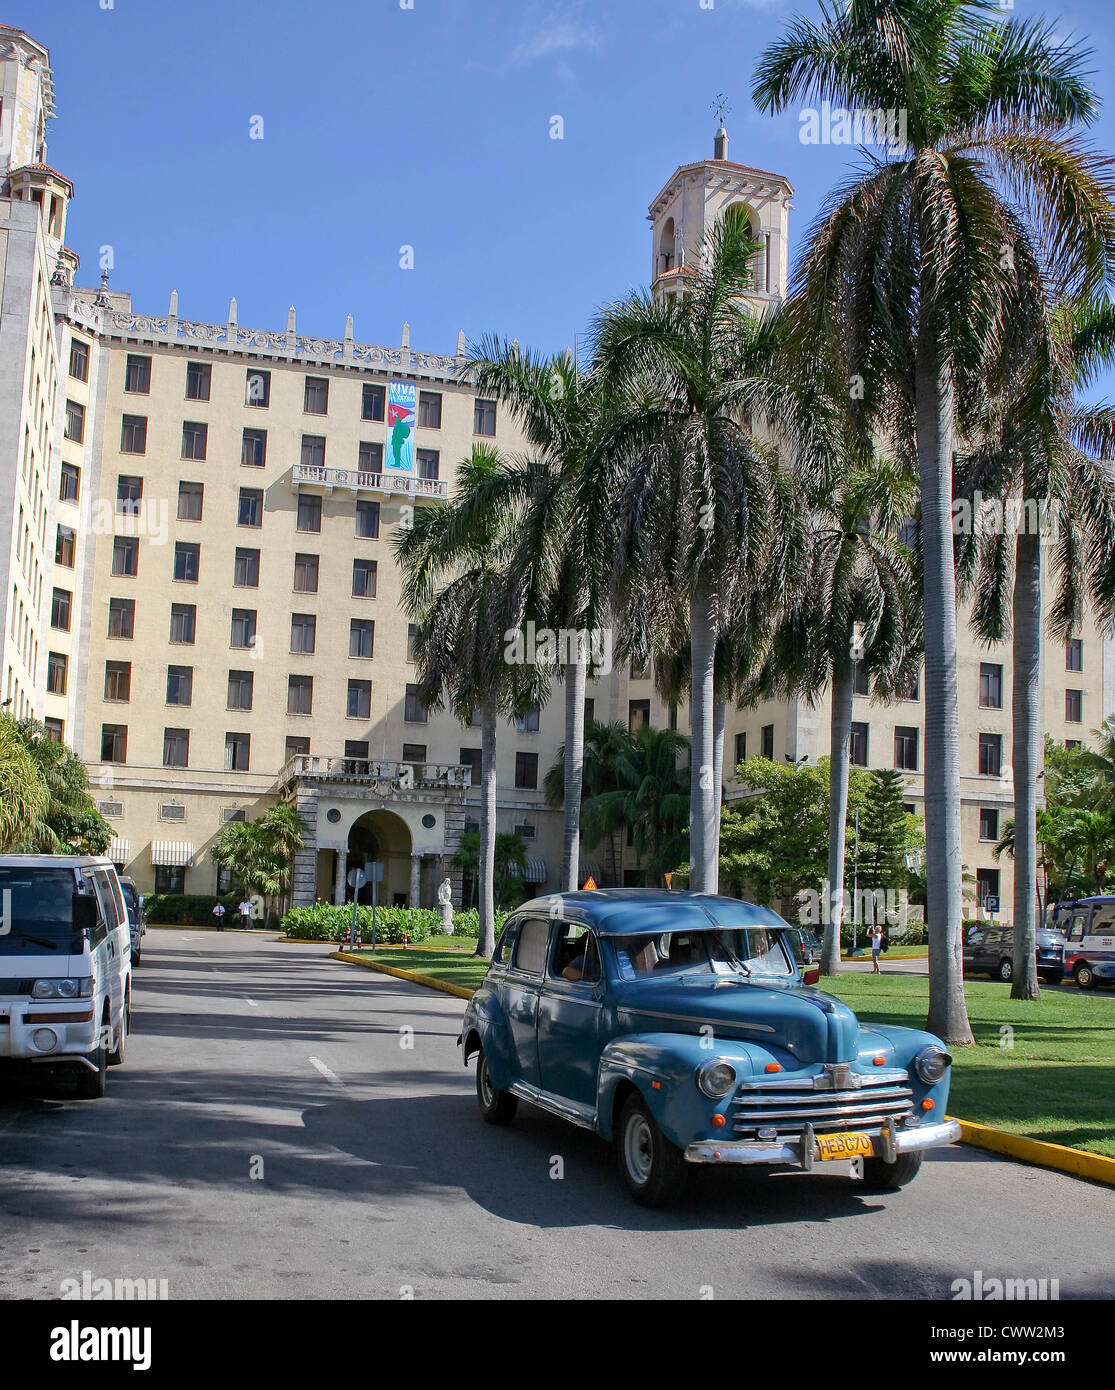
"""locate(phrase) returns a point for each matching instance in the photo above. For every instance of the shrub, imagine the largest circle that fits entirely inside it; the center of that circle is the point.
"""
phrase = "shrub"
(188, 909)
(324, 922)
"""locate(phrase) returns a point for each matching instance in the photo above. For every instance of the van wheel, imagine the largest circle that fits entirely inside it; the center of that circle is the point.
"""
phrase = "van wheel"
(652, 1169)
(116, 1058)
(497, 1107)
(881, 1176)
(90, 1084)
(1085, 976)
(1006, 971)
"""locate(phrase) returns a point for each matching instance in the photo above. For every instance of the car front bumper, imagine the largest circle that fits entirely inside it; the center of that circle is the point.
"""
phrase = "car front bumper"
(888, 1144)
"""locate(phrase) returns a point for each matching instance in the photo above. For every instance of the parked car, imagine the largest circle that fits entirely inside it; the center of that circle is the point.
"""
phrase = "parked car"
(137, 916)
(65, 966)
(989, 950)
(678, 1025)
(1089, 928)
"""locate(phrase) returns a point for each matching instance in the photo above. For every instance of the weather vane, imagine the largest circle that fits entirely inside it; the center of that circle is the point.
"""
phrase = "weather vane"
(720, 105)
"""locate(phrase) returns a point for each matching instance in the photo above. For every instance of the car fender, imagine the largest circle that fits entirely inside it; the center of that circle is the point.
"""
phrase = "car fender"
(485, 1025)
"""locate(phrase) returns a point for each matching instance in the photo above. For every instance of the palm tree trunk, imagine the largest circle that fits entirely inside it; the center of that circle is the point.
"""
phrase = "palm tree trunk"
(840, 750)
(704, 809)
(719, 714)
(948, 1014)
(486, 943)
(1026, 754)
(575, 675)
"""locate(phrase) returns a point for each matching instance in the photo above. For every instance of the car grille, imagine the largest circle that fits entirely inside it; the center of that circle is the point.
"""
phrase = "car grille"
(781, 1109)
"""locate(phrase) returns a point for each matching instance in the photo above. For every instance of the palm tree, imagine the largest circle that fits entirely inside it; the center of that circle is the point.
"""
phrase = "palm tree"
(604, 746)
(69, 821)
(563, 522)
(908, 280)
(510, 865)
(859, 604)
(460, 586)
(695, 510)
(24, 797)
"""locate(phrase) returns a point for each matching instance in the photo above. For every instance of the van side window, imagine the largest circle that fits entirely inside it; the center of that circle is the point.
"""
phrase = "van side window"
(1076, 931)
(106, 898)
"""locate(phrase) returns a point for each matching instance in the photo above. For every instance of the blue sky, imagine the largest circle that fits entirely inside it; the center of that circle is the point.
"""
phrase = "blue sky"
(426, 127)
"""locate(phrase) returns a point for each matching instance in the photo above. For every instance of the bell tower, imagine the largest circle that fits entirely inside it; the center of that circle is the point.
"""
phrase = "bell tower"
(689, 205)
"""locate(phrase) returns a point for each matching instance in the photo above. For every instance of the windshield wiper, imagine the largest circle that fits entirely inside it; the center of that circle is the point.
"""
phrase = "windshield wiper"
(39, 941)
(733, 958)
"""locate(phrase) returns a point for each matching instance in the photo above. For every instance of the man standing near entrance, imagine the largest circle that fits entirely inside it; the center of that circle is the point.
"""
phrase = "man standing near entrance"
(219, 915)
(245, 910)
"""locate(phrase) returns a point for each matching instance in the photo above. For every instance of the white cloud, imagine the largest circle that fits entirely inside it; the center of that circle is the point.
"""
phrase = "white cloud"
(552, 33)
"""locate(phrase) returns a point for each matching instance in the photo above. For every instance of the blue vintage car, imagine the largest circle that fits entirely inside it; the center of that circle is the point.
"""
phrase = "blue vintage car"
(679, 1026)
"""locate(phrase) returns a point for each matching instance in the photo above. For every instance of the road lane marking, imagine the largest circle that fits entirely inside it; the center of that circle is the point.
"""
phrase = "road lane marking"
(327, 1072)
(252, 1002)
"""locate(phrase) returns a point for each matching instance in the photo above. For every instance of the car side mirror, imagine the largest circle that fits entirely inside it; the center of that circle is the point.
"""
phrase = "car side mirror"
(84, 912)
(812, 976)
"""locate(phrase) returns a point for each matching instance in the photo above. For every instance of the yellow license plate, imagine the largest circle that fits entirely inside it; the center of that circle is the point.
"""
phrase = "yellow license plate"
(844, 1146)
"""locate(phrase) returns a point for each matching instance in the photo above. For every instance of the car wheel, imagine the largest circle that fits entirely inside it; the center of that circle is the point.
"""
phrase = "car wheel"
(116, 1057)
(91, 1084)
(1085, 976)
(1006, 971)
(652, 1169)
(497, 1107)
(881, 1176)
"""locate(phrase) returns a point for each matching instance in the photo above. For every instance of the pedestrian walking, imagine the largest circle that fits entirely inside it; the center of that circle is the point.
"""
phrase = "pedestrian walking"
(245, 910)
(219, 916)
(876, 947)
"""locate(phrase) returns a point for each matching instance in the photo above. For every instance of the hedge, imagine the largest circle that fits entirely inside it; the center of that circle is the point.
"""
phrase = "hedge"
(188, 909)
(324, 922)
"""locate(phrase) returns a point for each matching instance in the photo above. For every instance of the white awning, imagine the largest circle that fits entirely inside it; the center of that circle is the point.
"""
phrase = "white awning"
(175, 854)
(120, 851)
(536, 871)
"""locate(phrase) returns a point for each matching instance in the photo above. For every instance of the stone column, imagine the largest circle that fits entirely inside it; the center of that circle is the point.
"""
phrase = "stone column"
(339, 877)
(415, 880)
(304, 891)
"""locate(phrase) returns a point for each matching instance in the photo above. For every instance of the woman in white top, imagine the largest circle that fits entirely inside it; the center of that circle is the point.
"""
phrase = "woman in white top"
(876, 947)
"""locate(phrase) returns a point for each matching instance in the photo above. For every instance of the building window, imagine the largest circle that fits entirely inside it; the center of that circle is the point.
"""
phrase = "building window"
(526, 771)
(905, 748)
(988, 823)
(70, 487)
(118, 681)
(238, 749)
(910, 689)
(187, 561)
(300, 695)
(56, 732)
(472, 758)
(672, 718)
(640, 670)
(590, 712)
(133, 434)
(195, 439)
(303, 632)
(412, 641)
(861, 681)
(296, 746)
(367, 520)
(766, 740)
(56, 667)
(137, 375)
(257, 388)
(361, 637)
(316, 398)
(114, 743)
(75, 422)
(170, 878)
(1074, 654)
(79, 360)
(414, 712)
(251, 507)
(429, 463)
(125, 556)
(64, 546)
(305, 574)
(309, 513)
(359, 704)
(183, 624)
(240, 689)
(741, 748)
(987, 885)
(638, 714)
(990, 754)
(253, 448)
(1072, 705)
(243, 628)
(129, 494)
(176, 747)
(373, 402)
(191, 499)
(429, 410)
(60, 609)
(857, 746)
(414, 753)
(484, 417)
(313, 451)
(363, 579)
(245, 569)
(370, 457)
(121, 617)
(1071, 743)
(179, 685)
(198, 376)
(990, 686)
(356, 748)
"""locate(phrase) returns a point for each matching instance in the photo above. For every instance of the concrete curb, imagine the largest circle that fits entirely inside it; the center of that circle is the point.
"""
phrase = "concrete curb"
(866, 957)
(1036, 1151)
(459, 991)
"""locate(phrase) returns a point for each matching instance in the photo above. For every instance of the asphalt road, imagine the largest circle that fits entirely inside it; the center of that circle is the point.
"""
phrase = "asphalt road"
(378, 1178)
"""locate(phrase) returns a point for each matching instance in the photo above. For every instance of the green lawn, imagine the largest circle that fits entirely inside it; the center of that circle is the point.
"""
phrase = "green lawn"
(1055, 1082)
(895, 953)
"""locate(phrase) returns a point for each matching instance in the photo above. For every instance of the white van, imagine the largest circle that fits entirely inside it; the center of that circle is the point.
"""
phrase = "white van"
(65, 965)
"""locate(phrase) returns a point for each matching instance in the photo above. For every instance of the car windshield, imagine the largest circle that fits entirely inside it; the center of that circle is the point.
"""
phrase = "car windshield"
(740, 951)
(36, 911)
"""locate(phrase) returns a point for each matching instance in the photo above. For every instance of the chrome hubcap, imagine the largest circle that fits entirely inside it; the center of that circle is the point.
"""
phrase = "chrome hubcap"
(638, 1148)
(485, 1084)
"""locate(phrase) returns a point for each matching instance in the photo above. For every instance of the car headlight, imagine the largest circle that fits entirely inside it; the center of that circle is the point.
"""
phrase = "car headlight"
(716, 1079)
(68, 988)
(931, 1064)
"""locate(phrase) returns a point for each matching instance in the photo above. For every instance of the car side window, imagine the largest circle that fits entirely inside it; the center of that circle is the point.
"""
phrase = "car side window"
(575, 956)
(530, 953)
(502, 954)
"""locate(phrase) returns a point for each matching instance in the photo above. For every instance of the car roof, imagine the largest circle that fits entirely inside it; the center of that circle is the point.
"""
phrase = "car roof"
(55, 861)
(636, 911)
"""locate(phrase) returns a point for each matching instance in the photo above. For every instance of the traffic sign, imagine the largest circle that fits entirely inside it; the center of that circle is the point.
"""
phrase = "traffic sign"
(991, 904)
(357, 878)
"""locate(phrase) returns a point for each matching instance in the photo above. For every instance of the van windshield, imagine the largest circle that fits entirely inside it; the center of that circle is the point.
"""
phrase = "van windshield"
(36, 911)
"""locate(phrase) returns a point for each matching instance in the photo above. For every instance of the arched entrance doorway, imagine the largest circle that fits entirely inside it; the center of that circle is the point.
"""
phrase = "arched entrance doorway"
(384, 837)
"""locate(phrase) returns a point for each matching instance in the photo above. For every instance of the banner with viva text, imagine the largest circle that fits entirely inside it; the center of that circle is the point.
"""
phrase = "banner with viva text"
(402, 404)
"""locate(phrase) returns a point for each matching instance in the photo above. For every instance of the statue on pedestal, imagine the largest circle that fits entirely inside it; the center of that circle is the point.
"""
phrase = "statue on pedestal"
(445, 902)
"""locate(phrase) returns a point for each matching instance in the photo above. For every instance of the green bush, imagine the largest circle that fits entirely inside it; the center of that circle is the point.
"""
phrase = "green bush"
(323, 922)
(467, 923)
(188, 909)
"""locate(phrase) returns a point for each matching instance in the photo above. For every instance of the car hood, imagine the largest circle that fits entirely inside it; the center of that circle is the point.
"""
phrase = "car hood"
(811, 1025)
